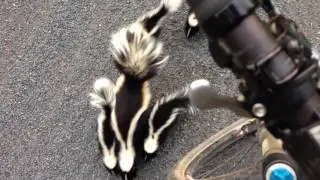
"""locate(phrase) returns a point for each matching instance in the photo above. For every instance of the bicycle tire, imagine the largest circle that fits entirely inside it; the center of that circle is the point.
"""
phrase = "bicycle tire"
(185, 168)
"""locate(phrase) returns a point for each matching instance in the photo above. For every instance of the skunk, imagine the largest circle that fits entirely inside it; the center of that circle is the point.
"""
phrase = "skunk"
(137, 54)
(150, 129)
(103, 97)
(162, 115)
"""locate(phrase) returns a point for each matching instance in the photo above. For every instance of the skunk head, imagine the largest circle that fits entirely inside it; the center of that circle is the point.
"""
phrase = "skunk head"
(126, 160)
(110, 160)
(151, 144)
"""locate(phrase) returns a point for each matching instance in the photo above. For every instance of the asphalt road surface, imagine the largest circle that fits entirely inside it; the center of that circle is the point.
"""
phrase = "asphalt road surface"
(51, 51)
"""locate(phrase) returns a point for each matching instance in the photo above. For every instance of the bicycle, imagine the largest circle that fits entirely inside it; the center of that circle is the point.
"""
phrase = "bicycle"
(241, 150)
(278, 73)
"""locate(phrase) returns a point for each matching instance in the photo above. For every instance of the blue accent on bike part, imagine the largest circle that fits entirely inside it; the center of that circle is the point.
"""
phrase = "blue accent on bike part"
(281, 174)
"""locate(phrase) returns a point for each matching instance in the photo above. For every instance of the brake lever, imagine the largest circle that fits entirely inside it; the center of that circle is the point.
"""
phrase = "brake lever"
(203, 96)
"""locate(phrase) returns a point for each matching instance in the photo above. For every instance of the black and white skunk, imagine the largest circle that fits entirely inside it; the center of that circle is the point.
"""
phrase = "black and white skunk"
(148, 131)
(162, 115)
(127, 126)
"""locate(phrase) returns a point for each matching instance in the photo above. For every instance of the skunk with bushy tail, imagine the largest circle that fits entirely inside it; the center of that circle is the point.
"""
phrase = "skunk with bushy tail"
(129, 128)
(137, 54)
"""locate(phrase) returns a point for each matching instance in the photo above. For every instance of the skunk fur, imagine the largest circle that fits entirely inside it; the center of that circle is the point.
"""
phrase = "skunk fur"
(123, 128)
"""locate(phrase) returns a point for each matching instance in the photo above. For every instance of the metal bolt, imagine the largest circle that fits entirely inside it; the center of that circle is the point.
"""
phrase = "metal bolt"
(259, 110)
(241, 98)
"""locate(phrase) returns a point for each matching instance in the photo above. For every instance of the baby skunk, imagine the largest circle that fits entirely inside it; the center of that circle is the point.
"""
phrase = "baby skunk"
(122, 123)
(162, 115)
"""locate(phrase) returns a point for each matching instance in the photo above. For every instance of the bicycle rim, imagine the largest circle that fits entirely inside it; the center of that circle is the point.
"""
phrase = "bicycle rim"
(232, 153)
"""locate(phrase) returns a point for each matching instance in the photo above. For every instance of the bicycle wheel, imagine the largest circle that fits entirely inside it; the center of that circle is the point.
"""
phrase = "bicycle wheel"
(232, 153)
